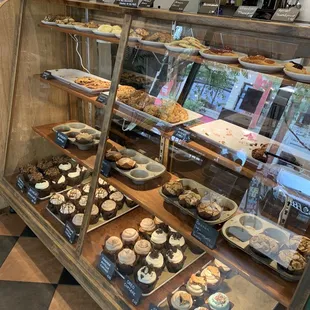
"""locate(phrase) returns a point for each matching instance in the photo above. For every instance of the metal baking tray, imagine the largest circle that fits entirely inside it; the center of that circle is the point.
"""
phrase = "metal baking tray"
(255, 225)
(229, 206)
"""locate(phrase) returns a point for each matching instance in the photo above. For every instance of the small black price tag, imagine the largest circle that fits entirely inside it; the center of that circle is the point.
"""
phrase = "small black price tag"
(132, 291)
(61, 139)
(129, 3)
(182, 134)
(116, 2)
(205, 233)
(47, 75)
(106, 266)
(70, 232)
(106, 168)
(245, 11)
(20, 183)
(33, 195)
(102, 98)
(178, 5)
(153, 307)
(146, 4)
(100, 1)
(286, 15)
(208, 8)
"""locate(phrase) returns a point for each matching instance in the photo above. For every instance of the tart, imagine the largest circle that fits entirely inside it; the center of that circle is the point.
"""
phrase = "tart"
(264, 246)
(158, 239)
(126, 163)
(296, 68)
(126, 261)
(180, 300)
(113, 245)
(156, 260)
(174, 259)
(259, 60)
(129, 237)
(147, 227)
(189, 199)
(146, 279)
(196, 285)
(108, 209)
(291, 261)
(173, 188)
(209, 210)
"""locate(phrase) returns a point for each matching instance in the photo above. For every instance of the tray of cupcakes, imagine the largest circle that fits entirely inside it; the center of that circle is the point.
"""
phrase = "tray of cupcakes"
(269, 244)
(109, 204)
(80, 134)
(201, 291)
(198, 201)
(150, 254)
(134, 165)
(52, 175)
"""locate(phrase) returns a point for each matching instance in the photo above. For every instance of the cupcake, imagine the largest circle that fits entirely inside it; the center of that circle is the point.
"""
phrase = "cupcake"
(176, 239)
(189, 199)
(94, 215)
(52, 173)
(111, 189)
(118, 197)
(86, 189)
(74, 177)
(65, 168)
(82, 171)
(35, 178)
(43, 188)
(174, 259)
(219, 301)
(142, 248)
(60, 159)
(223, 268)
(300, 244)
(126, 260)
(147, 227)
(67, 211)
(102, 183)
(159, 239)
(264, 246)
(112, 247)
(209, 211)
(77, 221)
(81, 205)
(196, 285)
(180, 300)
(129, 237)
(108, 209)
(28, 170)
(160, 224)
(113, 155)
(129, 202)
(74, 195)
(146, 279)
(55, 202)
(291, 261)
(60, 183)
(156, 260)
(171, 231)
(212, 276)
(173, 188)
(44, 164)
(100, 195)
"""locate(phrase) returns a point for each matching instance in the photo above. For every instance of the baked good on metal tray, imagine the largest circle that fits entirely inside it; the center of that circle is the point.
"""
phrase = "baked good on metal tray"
(209, 210)
(172, 112)
(264, 245)
(291, 261)
(189, 199)
(92, 83)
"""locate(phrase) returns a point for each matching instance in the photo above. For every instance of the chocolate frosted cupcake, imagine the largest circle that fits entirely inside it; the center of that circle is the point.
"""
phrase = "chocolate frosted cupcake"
(43, 188)
(100, 195)
(44, 164)
(160, 224)
(210, 211)
(129, 237)
(81, 205)
(77, 221)
(119, 198)
(74, 177)
(86, 189)
(147, 227)
(213, 276)
(28, 170)
(291, 261)
(94, 215)
(67, 211)
(102, 183)
(174, 259)
(173, 188)
(112, 247)
(35, 178)
(56, 202)
(82, 171)
(142, 248)
(108, 209)
(65, 168)
(156, 260)
(176, 239)
(146, 279)
(159, 239)
(196, 285)
(74, 195)
(180, 300)
(52, 174)
(126, 261)
(60, 183)
(189, 199)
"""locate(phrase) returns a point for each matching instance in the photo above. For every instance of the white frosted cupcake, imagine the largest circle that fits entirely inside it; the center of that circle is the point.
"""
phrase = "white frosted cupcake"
(196, 285)
(129, 237)
(180, 300)
(113, 245)
(142, 248)
(223, 268)
(147, 226)
(159, 239)
(77, 221)
(126, 261)
(212, 276)
(67, 211)
(146, 279)
(176, 239)
(156, 260)
(174, 259)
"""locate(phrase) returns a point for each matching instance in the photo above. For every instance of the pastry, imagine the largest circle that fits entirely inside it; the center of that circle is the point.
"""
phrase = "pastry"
(209, 210)
(259, 153)
(146, 279)
(100, 195)
(43, 188)
(84, 138)
(105, 28)
(296, 68)
(129, 237)
(67, 211)
(156, 260)
(147, 226)
(55, 202)
(173, 188)
(174, 259)
(152, 110)
(118, 197)
(126, 163)
(291, 261)
(52, 173)
(139, 100)
(158, 239)
(189, 43)
(44, 164)
(28, 170)
(126, 261)
(81, 205)
(102, 183)
(60, 183)
(74, 177)
(112, 247)
(35, 177)
(160, 224)
(189, 199)
(196, 285)
(259, 60)
(116, 29)
(300, 244)
(219, 301)
(181, 300)
(108, 209)
(113, 156)
(86, 189)
(77, 221)
(61, 19)
(65, 168)
(172, 112)
(74, 195)
(177, 240)
(94, 215)
(212, 276)
(142, 32)
(220, 52)
(163, 37)
(142, 248)
(223, 268)
(124, 93)
(91, 83)
(264, 245)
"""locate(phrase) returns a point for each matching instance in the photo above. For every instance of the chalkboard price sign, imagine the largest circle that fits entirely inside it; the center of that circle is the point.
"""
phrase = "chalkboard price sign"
(20, 183)
(208, 8)
(146, 4)
(106, 266)
(205, 233)
(70, 232)
(178, 5)
(33, 195)
(132, 291)
(61, 139)
(285, 15)
(182, 134)
(102, 98)
(129, 3)
(245, 11)
(46, 75)
(106, 168)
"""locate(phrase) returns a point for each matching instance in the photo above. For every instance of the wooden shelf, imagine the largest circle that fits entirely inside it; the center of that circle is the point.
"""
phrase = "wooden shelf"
(149, 198)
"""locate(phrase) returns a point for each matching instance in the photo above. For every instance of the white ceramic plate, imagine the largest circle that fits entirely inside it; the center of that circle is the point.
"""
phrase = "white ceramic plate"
(105, 34)
(48, 23)
(219, 58)
(84, 29)
(297, 76)
(151, 43)
(132, 39)
(262, 68)
(177, 49)
(66, 26)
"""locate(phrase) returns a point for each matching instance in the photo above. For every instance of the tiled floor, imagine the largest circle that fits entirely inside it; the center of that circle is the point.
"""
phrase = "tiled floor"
(30, 277)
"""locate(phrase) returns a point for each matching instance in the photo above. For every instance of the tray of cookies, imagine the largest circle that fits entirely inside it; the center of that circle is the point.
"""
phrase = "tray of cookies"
(83, 136)
(198, 201)
(269, 244)
(134, 165)
(109, 204)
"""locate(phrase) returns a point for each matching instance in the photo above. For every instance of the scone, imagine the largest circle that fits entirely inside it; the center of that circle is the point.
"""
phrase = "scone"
(126, 163)
(173, 188)
(189, 199)
(209, 210)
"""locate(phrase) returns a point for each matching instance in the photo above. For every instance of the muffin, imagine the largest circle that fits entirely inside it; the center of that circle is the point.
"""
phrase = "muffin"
(74, 195)
(196, 285)
(219, 301)
(129, 237)
(118, 197)
(126, 163)
(100, 195)
(102, 183)
(174, 259)
(44, 164)
(52, 173)
(113, 245)
(156, 260)
(35, 178)
(300, 244)
(67, 211)
(81, 205)
(264, 246)
(160, 224)
(159, 239)
(210, 211)
(65, 168)
(126, 261)
(60, 183)
(86, 189)
(84, 138)
(173, 188)
(43, 188)
(147, 227)
(176, 239)
(94, 215)
(129, 202)
(27, 170)
(142, 248)
(146, 279)
(291, 261)
(222, 268)
(212, 276)
(108, 209)
(180, 300)
(77, 221)
(113, 156)
(74, 177)
(189, 199)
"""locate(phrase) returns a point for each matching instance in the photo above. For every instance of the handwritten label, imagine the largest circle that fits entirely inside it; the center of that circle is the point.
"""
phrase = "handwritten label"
(246, 11)
(132, 291)
(106, 266)
(47, 75)
(178, 5)
(182, 134)
(285, 15)
(130, 3)
(20, 183)
(33, 195)
(70, 232)
(153, 307)
(106, 168)
(116, 2)
(208, 8)
(102, 98)
(205, 233)
(146, 4)
(61, 139)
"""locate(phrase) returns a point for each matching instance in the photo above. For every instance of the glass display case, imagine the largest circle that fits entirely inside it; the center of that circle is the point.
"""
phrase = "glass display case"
(163, 157)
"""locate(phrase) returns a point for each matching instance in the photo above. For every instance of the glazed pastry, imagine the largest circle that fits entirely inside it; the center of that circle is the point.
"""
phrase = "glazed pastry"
(44, 164)
(52, 173)
(264, 245)
(43, 188)
(74, 177)
(126, 260)
(292, 261)
(67, 211)
(212, 276)
(118, 197)
(35, 178)
(210, 211)
(156, 260)
(126, 163)
(181, 300)
(94, 215)
(113, 156)
(86, 189)
(189, 199)
(147, 226)
(112, 247)
(84, 138)
(108, 209)
(158, 239)
(223, 268)
(219, 301)
(65, 167)
(176, 239)
(74, 195)
(60, 183)
(196, 285)
(301, 244)
(173, 188)
(129, 237)
(142, 248)
(81, 205)
(160, 224)
(174, 259)
(146, 279)
(100, 195)
(55, 202)
(77, 221)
